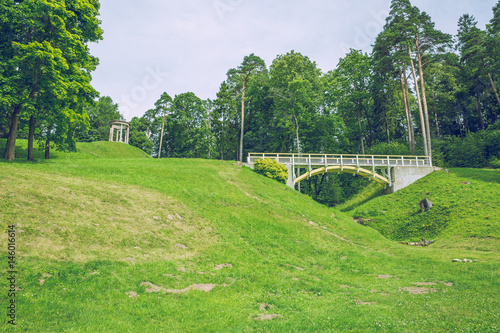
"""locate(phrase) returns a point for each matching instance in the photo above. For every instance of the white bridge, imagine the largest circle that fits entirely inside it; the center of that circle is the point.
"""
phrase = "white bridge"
(395, 172)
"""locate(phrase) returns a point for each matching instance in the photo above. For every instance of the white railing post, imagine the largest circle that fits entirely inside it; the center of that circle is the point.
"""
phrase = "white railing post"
(402, 161)
(341, 163)
(357, 163)
(310, 166)
(373, 165)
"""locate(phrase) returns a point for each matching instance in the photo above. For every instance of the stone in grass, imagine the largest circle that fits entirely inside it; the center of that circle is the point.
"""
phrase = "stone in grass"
(132, 294)
(425, 205)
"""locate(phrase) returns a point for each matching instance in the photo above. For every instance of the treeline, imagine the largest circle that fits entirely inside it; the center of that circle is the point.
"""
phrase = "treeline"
(418, 86)
(45, 68)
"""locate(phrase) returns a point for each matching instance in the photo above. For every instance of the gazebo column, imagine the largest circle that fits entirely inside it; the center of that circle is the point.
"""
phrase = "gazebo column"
(111, 134)
(127, 134)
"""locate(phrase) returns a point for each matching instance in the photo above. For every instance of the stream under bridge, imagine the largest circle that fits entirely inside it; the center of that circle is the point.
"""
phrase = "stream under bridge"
(395, 172)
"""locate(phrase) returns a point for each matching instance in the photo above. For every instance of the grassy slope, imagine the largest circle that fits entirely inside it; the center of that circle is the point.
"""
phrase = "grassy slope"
(466, 207)
(100, 227)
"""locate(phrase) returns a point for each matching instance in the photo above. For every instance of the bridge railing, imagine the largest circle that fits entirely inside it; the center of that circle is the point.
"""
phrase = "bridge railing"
(344, 159)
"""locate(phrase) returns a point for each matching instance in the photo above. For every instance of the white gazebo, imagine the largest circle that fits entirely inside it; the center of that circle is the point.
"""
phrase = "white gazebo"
(122, 131)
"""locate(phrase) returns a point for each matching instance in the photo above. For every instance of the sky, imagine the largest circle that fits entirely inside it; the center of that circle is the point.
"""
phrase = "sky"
(177, 46)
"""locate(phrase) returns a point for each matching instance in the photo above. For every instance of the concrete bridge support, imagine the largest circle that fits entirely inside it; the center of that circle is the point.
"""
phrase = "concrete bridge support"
(404, 176)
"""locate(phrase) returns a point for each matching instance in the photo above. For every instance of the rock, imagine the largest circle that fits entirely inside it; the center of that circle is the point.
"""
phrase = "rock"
(132, 294)
(447, 171)
(182, 246)
(425, 205)
(219, 267)
(456, 260)
(156, 218)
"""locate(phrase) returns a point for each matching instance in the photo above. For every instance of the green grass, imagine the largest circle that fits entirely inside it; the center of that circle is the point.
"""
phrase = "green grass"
(84, 150)
(466, 207)
(96, 229)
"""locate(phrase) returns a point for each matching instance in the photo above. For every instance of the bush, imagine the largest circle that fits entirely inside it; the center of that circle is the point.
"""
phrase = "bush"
(393, 148)
(271, 169)
(476, 150)
(495, 163)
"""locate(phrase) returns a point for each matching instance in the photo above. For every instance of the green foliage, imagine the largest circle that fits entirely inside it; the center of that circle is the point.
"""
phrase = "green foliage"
(393, 148)
(474, 151)
(101, 113)
(271, 169)
(495, 163)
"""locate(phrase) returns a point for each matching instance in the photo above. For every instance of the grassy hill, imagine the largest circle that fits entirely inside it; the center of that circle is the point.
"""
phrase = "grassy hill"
(180, 245)
(84, 150)
(466, 207)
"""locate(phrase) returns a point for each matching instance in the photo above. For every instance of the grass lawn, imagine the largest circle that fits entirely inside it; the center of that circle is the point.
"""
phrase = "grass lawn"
(185, 245)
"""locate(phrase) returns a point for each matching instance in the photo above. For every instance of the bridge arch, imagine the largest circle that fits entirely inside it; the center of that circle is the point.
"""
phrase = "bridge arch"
(345, 169)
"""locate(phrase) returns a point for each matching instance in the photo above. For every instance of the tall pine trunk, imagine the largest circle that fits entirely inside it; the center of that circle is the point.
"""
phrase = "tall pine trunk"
(407, 112)
(242, 121)
(424, 99)
(478, 110)
(412, 127)
(420, 109)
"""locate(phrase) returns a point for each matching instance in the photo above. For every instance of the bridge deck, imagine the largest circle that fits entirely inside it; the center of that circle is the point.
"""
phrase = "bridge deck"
(313, 160)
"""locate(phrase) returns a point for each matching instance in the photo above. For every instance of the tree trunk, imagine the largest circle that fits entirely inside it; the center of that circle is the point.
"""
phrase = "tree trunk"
(242, 120)
(478, 110)
(494, 88)
(47, 143)
(297, 134)
(161, 136)
(420, 110)
(407, 110)
(10, 148)
(361, 131)
(410, 116)
(424, 100)
(31, 138)
(387, 129)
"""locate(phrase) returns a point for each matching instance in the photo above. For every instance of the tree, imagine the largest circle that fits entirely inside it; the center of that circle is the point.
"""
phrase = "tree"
(186, 128)
(250, 66)
(162, 105)
(354, 99)
(224, 123)
(47, 60)
(100, 114)
(297, 88)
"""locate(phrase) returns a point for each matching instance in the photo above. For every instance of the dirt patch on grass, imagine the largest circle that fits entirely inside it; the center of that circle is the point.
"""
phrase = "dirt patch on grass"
(151, 288)
(221, 266)
(419, 290)
(263, 316)
(358, 302)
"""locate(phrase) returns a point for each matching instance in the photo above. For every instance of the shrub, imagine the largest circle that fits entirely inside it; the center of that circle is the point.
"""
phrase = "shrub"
(393, 148)
(495, 163)
(271, 169)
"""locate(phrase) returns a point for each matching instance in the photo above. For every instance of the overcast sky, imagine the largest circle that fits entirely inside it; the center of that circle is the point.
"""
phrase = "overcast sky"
(176, 46)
